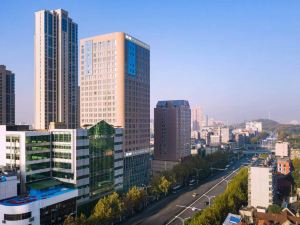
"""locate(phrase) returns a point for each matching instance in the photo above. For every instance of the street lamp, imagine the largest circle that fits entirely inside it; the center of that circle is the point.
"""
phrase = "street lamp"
(182, 219)
(209, 198)
(227, 181)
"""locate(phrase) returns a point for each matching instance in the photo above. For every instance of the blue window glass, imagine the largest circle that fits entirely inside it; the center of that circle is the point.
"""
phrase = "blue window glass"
(50, 52)
(50, 24)
(131, 58)
(50, 42)
(64, 24)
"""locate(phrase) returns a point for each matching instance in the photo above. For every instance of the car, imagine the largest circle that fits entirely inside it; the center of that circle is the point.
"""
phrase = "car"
(194, 194)
(176, 188)
(192, 182)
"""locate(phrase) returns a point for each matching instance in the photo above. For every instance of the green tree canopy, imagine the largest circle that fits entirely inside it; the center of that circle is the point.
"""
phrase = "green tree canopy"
(108, 209)
(134, 199)
(70, 220)
(164, 185)
(274, 208)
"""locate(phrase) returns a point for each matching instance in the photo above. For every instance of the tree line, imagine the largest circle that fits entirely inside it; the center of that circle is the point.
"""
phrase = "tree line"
(230, 201)
(296, 172)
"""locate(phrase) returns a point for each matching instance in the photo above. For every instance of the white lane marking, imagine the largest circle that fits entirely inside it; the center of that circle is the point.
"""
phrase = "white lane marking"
(188, 207)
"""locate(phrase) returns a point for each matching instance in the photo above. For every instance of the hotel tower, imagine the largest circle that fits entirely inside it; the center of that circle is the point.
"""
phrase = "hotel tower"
(56, 72)
(115, 87)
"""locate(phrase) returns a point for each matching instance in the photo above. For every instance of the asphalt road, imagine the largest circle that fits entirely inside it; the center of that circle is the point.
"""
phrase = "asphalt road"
(178, 207)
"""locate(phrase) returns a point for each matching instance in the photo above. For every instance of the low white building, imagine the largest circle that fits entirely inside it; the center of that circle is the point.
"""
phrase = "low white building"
(70, 159)
(254, 126)
(59, 153)
(261, 186)
(282, 149)
(39, 207)
(90, 160)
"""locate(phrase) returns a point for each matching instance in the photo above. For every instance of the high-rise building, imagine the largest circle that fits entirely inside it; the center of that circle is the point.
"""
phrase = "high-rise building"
(115, 87)
(197, 118)
(56, 72)
(7, 96)
(261, 186)
(205, 121)
(172, 125)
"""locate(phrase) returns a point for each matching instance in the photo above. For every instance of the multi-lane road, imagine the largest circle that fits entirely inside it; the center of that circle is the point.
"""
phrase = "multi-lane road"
(205, 196)
(177, 208)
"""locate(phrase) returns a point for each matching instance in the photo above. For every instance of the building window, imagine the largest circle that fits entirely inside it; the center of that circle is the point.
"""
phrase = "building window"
(14, 217)
(61, 137)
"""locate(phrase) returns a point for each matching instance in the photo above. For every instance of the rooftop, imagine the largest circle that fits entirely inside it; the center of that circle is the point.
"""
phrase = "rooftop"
(172, 103)
(38, 191)
(232, 219)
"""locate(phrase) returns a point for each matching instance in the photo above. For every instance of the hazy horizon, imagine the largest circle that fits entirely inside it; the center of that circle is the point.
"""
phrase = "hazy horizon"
(238, 60)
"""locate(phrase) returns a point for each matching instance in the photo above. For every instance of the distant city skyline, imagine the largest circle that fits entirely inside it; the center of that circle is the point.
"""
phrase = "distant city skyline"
(237, 60)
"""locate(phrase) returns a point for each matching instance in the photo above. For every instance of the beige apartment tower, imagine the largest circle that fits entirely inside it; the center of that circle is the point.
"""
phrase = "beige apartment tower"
(115, 87)
(7, 96)
(55, 67)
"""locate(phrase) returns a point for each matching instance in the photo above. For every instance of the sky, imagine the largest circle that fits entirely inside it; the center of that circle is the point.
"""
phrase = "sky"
(238, 60)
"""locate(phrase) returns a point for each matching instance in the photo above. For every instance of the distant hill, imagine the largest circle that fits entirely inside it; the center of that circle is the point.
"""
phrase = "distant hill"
(268, 125)
(271, 125)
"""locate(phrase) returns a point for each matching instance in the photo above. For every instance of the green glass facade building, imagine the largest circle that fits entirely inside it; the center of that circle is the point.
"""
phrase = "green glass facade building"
(106, 160)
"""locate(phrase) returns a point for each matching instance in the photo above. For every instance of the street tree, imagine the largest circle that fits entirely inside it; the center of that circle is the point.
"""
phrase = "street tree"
(164, 185)
(133, 199)
(71, 220)
(107, 209)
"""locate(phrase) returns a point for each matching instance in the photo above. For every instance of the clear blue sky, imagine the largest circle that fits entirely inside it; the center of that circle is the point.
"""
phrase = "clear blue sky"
(237, 59)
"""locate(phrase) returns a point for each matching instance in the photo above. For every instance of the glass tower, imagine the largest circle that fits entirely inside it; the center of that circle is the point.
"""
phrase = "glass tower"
(106, 161)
